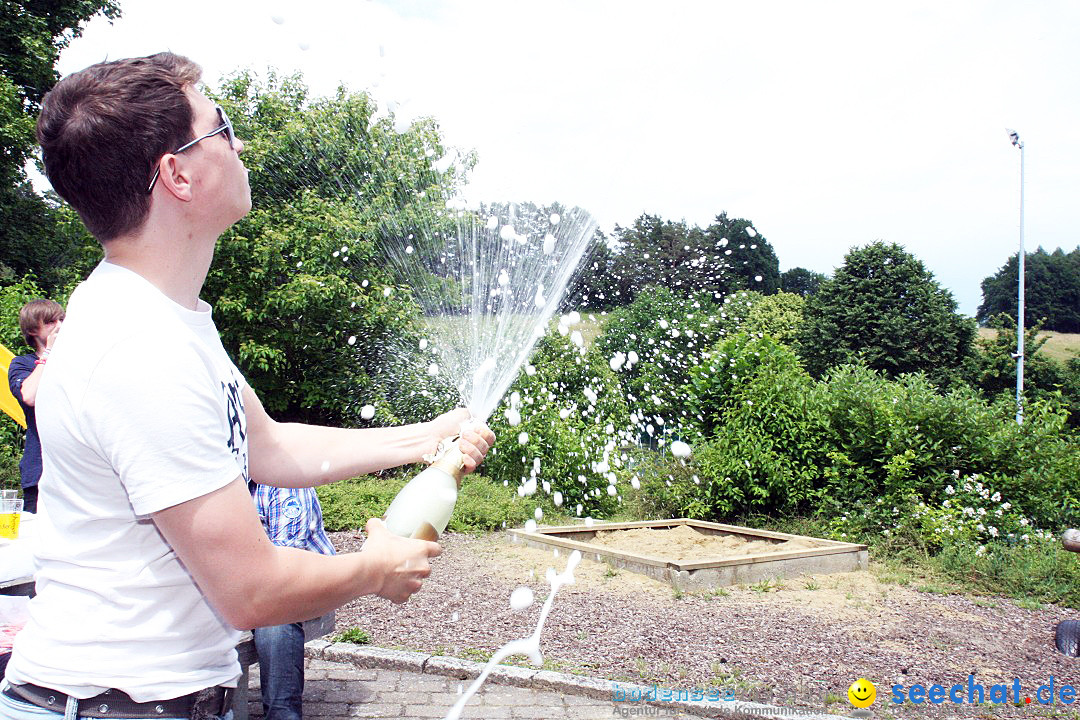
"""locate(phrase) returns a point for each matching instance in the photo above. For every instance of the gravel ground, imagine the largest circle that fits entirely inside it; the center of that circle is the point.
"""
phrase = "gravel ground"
(798, 645)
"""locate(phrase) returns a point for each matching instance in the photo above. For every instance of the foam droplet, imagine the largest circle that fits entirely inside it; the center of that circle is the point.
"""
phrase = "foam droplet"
(680, 449)
(513, 417)
(492, 222)
(352, 339)
(538, 513)
(523, 438)
(554, 218)
(557, 499)
(408, 249)
(278, 19)
(367, 412)
(530, 526)
(304, 45)
(325, 466)
(423, 343)
(549, 244)
(521, 598)
(433, 369)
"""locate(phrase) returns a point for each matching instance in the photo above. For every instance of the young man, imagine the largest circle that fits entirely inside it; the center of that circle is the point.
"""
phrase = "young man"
(149, 549)
(39, 321)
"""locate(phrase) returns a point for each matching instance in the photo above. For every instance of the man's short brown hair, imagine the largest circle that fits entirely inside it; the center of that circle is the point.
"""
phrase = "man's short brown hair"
(36, 313)
(103, 129)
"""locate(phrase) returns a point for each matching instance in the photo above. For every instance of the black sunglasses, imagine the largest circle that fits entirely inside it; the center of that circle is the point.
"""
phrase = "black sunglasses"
(226, 127)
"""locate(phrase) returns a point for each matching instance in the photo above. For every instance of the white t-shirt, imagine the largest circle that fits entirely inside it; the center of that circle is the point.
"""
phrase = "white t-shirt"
(140, 410)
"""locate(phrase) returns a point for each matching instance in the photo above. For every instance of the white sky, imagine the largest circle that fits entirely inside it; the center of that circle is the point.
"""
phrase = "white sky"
(827, 124)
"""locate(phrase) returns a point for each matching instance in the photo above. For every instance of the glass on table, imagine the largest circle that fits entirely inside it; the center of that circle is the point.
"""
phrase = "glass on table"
(10, 514)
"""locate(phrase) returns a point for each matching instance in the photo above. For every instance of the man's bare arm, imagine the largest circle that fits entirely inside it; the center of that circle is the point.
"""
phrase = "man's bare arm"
(297, 455)
(254, 583)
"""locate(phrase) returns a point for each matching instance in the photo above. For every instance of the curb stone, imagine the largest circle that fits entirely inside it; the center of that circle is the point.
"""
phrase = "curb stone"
(366, 656)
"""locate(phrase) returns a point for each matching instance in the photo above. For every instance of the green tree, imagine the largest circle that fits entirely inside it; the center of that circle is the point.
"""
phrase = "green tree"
(302, 291)
(885, 308)
(742, 255)
(598, 282)
(1051, 290)
(801, 281)
(32, 35)
(726, 257)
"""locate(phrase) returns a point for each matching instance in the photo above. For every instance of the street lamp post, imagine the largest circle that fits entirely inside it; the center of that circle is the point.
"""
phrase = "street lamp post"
(1019, 355)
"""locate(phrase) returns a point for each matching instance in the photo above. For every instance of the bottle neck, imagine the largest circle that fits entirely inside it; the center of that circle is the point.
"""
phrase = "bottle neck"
(452, 462)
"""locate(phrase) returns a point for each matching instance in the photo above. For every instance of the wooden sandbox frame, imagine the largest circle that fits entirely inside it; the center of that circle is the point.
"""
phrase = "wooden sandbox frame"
(830, 556)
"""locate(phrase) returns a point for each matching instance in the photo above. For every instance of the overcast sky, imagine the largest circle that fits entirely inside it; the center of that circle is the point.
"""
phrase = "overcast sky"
(827, 124)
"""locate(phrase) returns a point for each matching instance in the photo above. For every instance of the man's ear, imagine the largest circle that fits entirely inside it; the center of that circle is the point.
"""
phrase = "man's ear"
(174, 177)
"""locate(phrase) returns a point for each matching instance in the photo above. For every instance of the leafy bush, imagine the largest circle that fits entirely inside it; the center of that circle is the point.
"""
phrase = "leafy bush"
(10, 453)
(899, 440)
(482, 504)
(655, 342)
(349, 504)
(562, 429)
(778, 316)
(1039, 570)
(762, 429)
(12, 297)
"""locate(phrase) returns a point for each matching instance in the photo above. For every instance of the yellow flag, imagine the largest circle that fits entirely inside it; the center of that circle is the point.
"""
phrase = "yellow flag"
(8, 403)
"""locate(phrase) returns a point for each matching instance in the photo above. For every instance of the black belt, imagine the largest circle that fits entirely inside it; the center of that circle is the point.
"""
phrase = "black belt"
(206, 703)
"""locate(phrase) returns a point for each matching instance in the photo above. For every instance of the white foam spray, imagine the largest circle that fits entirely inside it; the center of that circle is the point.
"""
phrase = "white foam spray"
(529, 646)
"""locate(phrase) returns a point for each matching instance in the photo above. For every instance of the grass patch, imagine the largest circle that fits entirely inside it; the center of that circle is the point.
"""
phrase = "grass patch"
(482, 505)
(1059, 346)
(1042, 572)
(357, 636)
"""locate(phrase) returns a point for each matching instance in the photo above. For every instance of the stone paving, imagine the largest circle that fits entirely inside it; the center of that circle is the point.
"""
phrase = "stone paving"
(336, 690)
(346, 681)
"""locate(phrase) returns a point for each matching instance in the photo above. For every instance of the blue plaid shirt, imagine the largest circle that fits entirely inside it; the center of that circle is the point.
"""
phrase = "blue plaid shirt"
(292, 517)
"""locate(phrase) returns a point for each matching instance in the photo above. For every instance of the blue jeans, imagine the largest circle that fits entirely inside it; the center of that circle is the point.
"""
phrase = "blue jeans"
(12, 709)
(281, 670)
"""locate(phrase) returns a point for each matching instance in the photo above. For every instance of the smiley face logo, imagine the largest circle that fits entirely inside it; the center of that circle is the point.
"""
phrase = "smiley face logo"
(862, 693)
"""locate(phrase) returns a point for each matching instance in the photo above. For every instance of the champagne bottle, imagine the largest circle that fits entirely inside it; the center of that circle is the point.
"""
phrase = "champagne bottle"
(423, 507)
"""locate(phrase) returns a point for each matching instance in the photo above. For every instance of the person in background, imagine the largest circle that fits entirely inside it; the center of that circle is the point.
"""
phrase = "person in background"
(292, 517)
(39, 321)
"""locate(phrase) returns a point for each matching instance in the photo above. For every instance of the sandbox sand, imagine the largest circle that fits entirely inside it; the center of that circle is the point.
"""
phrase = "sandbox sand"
(685, 544)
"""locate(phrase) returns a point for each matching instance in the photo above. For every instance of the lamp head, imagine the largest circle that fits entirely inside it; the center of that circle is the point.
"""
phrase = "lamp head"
(1014, 137)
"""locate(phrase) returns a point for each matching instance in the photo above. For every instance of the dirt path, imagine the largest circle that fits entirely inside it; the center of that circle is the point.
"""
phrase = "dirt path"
(801, 644)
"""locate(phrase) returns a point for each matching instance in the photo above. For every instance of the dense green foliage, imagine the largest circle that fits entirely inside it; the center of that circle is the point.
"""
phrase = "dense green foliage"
(566, 448)
(1051, 290)
(301, 292)
(482, 505)
(801, 281)
(32, 34)
(721, 259)
(883, 308)
(656, 341)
